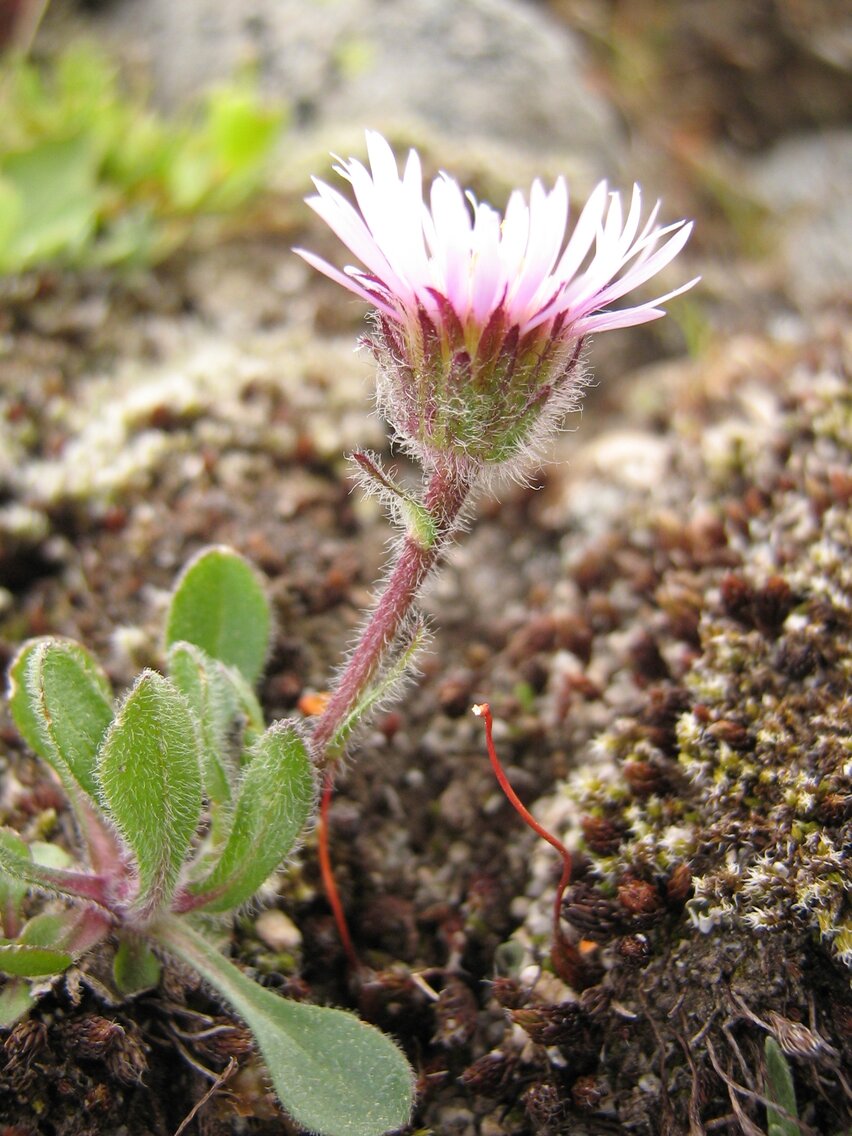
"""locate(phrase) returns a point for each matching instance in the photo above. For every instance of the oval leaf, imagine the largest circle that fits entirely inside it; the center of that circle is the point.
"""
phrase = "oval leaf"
(228, 712)
(12, 887)
(220, 605)
(31, 962)
(20, 867)
(334, 1074)
(16, 1000)
(62, 705)
(150, 778)
(135, 968)
(276, 798)
(195, 675)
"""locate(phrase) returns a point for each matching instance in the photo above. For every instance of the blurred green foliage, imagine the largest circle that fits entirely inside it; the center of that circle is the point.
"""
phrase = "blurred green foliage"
(91, 175)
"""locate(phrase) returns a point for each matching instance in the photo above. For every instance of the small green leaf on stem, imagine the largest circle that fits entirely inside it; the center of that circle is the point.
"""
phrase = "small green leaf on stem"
(404, 508)
(335, 1075)
(150, 776)
(220, 605)
(275, 800)
(383, 689)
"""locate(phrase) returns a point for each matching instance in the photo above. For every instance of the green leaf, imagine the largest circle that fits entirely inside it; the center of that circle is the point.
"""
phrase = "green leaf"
(11, 211)
(240, 128)
(780, 1089)
(16, 1000)
(227, 710)
(150, 780)
(31, 962)
(50, 929)
(12, 888)
(135, 968)
(49, 855)
(334, 1074)
(62, 705)
(276, 798)
(214, 704)
(220, 605)
(56, 184)
(73, 885)
(382, 690)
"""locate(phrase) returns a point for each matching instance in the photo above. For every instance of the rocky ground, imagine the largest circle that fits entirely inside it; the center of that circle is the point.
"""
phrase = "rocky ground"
(661, 620)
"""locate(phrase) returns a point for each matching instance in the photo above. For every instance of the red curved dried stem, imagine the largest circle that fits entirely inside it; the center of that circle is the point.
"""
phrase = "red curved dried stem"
(328, 882)
(483, 710)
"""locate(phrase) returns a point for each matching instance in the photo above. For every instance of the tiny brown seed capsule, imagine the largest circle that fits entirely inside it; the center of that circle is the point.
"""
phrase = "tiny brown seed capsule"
(490, 1074)
(737, 597)
(639, 897)
(456, 1014)
(95, 1037)
(597, 917)
(634, 949)
(679, 885)
(564, 1024)
(588, 1092)
(644, 777)
(731, 733)
(546, 1107)
(509, 992)
(772, 604)
(602, 835)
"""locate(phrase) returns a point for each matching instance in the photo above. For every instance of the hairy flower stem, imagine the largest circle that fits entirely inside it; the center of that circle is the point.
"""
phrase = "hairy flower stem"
(446, 492)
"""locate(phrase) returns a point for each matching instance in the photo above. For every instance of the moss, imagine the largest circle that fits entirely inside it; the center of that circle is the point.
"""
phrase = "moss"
(731, 808)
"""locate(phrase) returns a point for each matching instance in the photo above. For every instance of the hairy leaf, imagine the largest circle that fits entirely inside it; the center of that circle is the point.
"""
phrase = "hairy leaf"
(226, 708)
(385, 686)
(275, 800)
(12, 887)
(135, 967)
(333, 1074)
(150, 779)
(62, 704)
(31, 961)
(16, 1000)
(220, 605)
(57, 881)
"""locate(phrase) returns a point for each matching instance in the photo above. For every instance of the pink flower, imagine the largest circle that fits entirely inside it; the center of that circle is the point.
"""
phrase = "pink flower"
(481, 317)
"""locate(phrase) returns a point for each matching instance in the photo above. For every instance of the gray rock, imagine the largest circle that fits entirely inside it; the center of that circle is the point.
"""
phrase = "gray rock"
(467, 69)
(804, 181)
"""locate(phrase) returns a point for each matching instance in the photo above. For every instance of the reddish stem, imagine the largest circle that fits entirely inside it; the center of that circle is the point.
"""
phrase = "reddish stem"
(445, 496)
(328, 881)
(483, 710)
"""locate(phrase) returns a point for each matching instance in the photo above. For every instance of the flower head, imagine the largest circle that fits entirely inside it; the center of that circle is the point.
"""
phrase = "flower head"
(480, 317)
